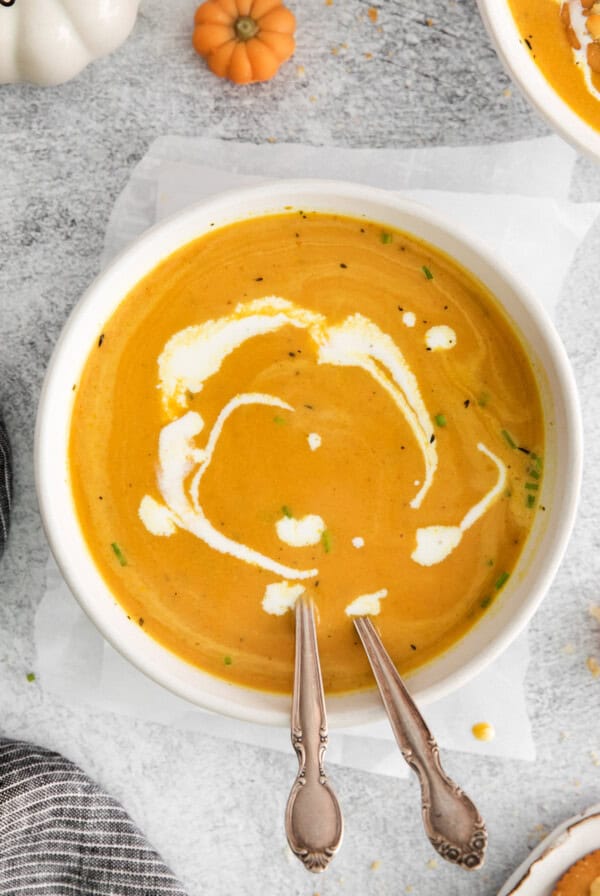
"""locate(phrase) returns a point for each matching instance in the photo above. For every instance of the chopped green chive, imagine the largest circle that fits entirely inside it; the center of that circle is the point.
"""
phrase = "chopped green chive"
(31, 676)
(501, 580)
(508, 439)
(119, 554)
(532, 486)
(486, 602)
(483, 399)
(440, 419)
(427, 272)
(530, 501)
(533, 473)
(227, 660)
(286, 511)
(386, 238)
(326, 541)
(537, 461)
(280, 421)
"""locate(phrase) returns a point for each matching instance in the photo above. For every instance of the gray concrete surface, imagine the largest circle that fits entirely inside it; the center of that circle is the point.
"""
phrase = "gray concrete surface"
(214, 808)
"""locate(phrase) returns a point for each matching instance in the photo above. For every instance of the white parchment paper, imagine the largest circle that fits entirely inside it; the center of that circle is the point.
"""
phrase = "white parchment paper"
(514, 197)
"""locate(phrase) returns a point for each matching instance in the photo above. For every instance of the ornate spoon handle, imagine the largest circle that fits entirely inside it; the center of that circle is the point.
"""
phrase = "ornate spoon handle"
(313, 819)
(452, 823)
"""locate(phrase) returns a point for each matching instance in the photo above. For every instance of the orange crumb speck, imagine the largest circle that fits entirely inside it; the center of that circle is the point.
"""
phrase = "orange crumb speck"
(507, 92)
(335, 51)
(328, 2)
(593, 666)
(373, 13)
(271, 139)
(595, 612)
(429, 22)
(300, 71)
(483, 731)
(344, 46)
(313, 99)
(375, 865)
(368, 55)
(432, 864)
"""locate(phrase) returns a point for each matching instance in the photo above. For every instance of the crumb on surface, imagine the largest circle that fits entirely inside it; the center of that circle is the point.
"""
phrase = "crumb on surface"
(595, 758)
(483, 731)
(429, 22)
(569, 649)
(593, 666)
(432, 864)
(595, 612)
(300, 71)
(373, 13)
(375, 865)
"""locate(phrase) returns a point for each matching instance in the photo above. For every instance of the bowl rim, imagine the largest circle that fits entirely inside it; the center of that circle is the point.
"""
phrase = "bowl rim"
(261, 198)
(502, 29)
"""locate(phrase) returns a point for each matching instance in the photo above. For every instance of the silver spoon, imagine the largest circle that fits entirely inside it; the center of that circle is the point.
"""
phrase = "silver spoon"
(313, 819)
(452, 823)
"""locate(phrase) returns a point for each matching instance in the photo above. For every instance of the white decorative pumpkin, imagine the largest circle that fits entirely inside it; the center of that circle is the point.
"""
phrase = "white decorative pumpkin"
(49, 41)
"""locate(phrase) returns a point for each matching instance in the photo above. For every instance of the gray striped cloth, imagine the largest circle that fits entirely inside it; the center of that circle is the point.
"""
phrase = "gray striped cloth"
(5, 486)
(60, 835)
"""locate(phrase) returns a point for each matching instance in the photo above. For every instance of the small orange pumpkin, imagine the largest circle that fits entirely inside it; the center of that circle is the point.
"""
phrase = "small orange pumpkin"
(244, 40)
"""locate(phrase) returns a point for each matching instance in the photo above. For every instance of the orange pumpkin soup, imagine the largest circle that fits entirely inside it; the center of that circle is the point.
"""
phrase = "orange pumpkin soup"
(563, 37)
(306, 404)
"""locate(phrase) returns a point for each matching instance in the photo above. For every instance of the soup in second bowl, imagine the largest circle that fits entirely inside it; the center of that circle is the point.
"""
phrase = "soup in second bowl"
(306, 404)
(563, 37)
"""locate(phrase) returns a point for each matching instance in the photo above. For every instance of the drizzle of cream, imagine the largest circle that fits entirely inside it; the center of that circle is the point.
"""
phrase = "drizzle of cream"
(367, 604)
(357, 342)
(358, 542)
(195, 354)
(300, 533)
(177, 458)
(409, 319)
(440, 338)
(435, 543)
(314, 440)
(578, 22)
(157, 518)
(281, 597)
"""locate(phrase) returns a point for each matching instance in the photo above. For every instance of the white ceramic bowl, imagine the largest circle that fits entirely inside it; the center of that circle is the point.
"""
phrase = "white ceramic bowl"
(517, 60)
(547, 540)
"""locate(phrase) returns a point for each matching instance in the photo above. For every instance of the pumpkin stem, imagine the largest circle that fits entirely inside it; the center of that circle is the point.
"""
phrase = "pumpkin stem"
(246, 27)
